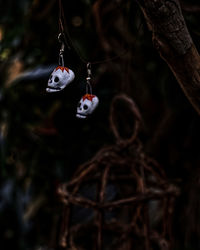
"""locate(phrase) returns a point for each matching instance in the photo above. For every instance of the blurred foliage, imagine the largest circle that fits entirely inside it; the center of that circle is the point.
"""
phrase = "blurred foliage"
(42, 142)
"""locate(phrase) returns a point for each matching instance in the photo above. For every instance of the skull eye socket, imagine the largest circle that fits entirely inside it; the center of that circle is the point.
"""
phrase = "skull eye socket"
(85, 106)
(56, 79)
(79, 105)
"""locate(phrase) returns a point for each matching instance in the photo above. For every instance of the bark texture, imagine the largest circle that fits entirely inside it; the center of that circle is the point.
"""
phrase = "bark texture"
(172, 40)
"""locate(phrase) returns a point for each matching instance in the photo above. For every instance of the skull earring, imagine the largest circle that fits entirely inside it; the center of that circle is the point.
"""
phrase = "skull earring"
(61, 76)
(88, 102)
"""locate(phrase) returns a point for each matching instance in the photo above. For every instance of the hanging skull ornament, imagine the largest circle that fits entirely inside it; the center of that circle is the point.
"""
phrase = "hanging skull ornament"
(61, 76)
(87, 105)
(59, 79)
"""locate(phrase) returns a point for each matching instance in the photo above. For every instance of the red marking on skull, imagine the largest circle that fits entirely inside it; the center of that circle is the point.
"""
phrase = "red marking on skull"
(88, 96)
(62, 68)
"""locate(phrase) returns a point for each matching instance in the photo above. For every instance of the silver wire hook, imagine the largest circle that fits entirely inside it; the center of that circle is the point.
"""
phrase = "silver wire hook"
(59, 37)
(88, 79)
(62, 49)
(89, 72)
(88, 88)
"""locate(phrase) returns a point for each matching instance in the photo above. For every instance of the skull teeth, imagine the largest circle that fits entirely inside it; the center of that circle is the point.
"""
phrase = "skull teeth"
(52, 89)
(57, 88)
(80, 116)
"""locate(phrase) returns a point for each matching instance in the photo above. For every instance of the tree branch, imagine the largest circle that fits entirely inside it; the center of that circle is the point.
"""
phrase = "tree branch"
(172, 40)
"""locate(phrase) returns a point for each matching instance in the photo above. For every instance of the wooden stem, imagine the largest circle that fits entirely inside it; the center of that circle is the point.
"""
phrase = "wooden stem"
(172, 40)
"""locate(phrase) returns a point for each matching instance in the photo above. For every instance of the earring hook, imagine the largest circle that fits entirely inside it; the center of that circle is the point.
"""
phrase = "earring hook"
(88, 79)
(62, 50)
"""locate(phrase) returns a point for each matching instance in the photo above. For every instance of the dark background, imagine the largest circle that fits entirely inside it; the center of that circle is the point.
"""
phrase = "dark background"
(42, 142)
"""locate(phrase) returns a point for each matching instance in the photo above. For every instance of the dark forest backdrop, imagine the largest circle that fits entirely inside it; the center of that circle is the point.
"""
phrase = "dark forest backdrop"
(42, 142)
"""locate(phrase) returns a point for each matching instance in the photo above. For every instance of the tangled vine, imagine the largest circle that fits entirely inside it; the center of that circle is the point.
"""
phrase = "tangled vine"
(140, 207)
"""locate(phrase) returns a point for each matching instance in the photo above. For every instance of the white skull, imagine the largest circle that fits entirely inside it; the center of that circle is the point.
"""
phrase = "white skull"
(87, 105)
(59, 79)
